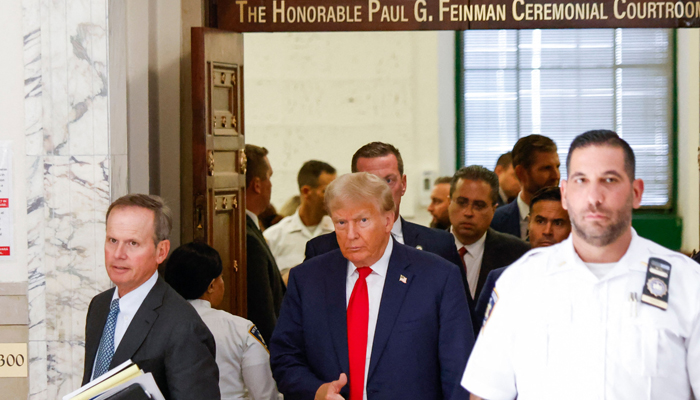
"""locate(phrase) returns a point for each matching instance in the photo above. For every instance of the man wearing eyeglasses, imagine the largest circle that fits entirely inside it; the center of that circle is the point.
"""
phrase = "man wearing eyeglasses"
(473, 197)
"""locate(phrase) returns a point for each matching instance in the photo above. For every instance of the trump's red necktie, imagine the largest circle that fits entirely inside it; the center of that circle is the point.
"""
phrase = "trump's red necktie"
(358, 321)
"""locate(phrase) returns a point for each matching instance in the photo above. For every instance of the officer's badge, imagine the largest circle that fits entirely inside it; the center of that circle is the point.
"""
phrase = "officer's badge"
(256, 334)
(419, 247)
(655, 291)
(489, 308)
(657, 287)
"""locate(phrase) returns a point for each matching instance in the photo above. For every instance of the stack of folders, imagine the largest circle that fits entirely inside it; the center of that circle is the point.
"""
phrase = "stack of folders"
(124, 382)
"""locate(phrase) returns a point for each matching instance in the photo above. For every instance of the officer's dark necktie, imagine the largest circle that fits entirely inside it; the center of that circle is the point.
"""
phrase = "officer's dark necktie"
(106, 350)
(358, 322)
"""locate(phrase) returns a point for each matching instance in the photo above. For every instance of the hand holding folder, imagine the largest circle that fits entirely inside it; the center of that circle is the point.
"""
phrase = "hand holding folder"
(115, 382)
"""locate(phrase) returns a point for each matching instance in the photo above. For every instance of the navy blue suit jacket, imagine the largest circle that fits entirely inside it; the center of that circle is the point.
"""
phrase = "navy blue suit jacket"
(506, 219)
(422, 340)
(500, 250)
(433, 241)
(483, 301)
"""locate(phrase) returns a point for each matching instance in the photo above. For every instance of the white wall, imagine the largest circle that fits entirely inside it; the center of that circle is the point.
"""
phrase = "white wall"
(447, 117)
(12, 128)
(323, 95)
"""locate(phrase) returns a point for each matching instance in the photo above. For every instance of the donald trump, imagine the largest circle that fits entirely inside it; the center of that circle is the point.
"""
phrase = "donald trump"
(374, 319)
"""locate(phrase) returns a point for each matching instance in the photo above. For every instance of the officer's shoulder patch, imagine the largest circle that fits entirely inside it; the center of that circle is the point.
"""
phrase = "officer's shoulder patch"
(255, 333)
(489, 308)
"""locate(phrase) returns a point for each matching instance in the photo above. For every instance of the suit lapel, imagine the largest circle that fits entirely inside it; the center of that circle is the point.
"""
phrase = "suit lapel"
(392, 299)
(259, 235)
(249, 222)
(140, 325)
(335, 301)
(93, 331)
(487, 261)
(410, 235)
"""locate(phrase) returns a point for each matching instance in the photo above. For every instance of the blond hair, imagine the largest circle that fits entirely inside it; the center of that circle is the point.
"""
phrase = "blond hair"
(359, 187)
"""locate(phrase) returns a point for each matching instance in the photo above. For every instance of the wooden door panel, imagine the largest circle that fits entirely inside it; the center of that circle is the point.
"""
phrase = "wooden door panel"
(218, 155)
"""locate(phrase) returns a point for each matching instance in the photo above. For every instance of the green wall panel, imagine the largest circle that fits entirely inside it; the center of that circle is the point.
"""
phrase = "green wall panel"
(664, 229)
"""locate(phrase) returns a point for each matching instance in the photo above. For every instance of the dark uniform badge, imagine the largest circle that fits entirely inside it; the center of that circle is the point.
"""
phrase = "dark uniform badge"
(655, 291)
(256, 334)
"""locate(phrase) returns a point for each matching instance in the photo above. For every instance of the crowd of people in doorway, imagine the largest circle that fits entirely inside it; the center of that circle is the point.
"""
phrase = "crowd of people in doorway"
(525, 286)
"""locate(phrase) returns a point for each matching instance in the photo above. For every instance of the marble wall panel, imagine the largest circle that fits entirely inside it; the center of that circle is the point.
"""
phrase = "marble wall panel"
(31, 21)
(99, 51)
(87, 81)
(60, 371)
(35, 246)
(55, 70)
(56, 250)
(70, 182)
(38, 367)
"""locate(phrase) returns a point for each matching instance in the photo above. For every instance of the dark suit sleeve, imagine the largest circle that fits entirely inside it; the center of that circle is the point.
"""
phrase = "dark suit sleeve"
(89, 358)
(507, 219)
(451, 253)
(190, 364)
(456, 336)
(295, 379)
(480, 309)
(261, 303)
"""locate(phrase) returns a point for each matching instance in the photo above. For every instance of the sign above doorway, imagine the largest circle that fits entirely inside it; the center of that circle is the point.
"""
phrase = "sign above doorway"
(413, 15)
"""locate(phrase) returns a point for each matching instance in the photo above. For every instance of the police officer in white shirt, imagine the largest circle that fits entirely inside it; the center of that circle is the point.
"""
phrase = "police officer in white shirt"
(605, 314)
(194, 271)
(287, 239)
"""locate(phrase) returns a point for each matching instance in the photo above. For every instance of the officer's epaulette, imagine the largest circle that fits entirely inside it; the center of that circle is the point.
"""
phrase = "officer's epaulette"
(678, 259)
(531, 253)
(557, 256)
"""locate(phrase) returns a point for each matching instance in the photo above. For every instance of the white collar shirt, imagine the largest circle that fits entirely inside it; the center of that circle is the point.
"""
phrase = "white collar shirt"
(243, 360)
(375, 287)
(253, 217)
(397, 231)
(472, 259)
(524, 211)
(589, 337)
(287, 239)
(128, 306)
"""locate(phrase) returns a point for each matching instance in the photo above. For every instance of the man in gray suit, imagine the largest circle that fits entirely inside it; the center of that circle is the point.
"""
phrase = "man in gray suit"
(144, 319)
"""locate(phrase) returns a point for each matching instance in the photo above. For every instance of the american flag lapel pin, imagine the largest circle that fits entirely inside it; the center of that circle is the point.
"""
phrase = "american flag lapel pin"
(403, 279)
